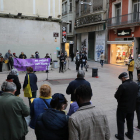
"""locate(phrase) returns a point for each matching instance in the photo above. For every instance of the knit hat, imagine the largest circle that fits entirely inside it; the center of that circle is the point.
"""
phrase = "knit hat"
(59, 96)
(13, 72)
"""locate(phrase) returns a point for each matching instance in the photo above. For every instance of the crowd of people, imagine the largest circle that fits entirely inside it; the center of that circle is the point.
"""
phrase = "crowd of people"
(48, 116)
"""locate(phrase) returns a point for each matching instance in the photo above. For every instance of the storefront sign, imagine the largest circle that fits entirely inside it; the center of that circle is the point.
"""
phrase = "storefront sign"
(64, 34)
(124, 32)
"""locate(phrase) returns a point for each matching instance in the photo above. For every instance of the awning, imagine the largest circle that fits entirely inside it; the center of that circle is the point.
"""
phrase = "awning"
(119, 42)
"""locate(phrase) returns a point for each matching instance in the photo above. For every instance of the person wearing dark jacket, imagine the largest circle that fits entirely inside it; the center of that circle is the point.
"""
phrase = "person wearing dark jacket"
(76, 83)
(1, 62)
(22, 56)
(53, 123)
(83, 60)
(14, 76)
(33, 82)
(77, 62)
(9, 57)
(126, 96)
(62, 60)
(47, 56)
(138, 106)
(40, 104)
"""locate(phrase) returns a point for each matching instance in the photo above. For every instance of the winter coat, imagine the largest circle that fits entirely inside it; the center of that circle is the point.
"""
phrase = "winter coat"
(37, 107)
(83, 58)
(12, 122)
(37, 56)
(126, 96)
(52, 125)
(137, 64)
(74, 85)
(138, 97)
(22, 56)
(131, 65)
(8, 56)
(33, 81)
(102, 57)
(62, 58)
(16, 81)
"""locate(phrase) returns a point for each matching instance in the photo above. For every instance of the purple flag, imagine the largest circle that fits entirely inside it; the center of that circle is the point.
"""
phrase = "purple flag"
(36, 64)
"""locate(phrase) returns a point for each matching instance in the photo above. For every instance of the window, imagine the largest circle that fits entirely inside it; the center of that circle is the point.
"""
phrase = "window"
(70, 5)
(70, 26)
(66, 8)
(136, 10)
(118, 12)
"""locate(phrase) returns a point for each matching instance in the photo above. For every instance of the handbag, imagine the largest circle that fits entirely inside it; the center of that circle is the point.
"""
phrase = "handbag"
(27, 89)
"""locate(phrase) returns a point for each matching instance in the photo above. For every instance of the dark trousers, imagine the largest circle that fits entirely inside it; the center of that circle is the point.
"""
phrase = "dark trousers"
(121, 116)
(138, 113)
(131, 75)
(1, 64)
(10, 65)
(77, 66)
(61, 66)
(23, 138)
(33, 96)
(83, 64)
(138, 71)
(102, 62)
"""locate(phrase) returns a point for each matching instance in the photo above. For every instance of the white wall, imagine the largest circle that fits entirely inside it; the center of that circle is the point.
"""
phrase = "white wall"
(99, 44)
(28, 36)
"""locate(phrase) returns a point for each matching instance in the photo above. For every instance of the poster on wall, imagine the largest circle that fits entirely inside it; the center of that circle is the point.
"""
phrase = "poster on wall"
(84, 42)
(99, 44)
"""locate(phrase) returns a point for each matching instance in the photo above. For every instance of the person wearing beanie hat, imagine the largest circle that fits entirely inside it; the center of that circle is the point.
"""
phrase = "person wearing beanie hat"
(53, 123)
(126, 96)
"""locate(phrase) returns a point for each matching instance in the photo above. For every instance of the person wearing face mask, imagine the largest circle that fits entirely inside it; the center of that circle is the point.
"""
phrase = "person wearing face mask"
(77, 62)
(62, 60)
(83, 60)
(13, 75)
(37, 55)
(137, 65)
(131, 68)
(126, 96)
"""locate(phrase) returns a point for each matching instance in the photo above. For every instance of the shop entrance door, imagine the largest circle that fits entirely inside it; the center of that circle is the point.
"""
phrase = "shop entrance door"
(91, 45)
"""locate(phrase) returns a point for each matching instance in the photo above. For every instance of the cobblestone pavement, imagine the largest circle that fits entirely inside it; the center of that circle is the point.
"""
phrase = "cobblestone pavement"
(103, 88)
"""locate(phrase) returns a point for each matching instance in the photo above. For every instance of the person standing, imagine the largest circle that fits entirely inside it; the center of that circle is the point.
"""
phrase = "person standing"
(102, 58)
(138, 106)
(83, 60)
(37, 55)
(62, 60)
(22, 56)
(33, 82)
(137, 64)
(8, 56)
(88, 122)
(131, 68)
(32, 56)
(76, 83)
(126, 96)
(14, 76)
(12, 122)
(14, 55)
(53, 123)
(1, 62)
(77, 62)
(47, 56)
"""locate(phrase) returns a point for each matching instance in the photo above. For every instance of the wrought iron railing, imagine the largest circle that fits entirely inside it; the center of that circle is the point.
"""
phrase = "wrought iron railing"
(124, 19)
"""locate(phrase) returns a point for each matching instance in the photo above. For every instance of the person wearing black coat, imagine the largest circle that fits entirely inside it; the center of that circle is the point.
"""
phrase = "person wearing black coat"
(1, 62)
(126, 96)
(83, 60)
(138, 106)
(76, 83)
(13, 75)
(53, 123)
(22, 56)
(33, 82)
(62, 60)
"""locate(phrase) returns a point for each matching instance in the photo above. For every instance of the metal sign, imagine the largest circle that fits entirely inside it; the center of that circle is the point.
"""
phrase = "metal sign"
(64, 35)
(124, 32)
(55, 34)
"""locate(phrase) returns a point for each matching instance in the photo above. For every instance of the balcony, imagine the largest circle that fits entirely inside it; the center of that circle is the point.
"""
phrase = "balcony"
(132, 18)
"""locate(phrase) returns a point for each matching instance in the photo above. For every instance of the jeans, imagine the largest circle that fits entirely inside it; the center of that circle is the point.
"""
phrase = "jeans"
(131, 75)
(102, 62)
(138, 113)
(33, 96)
(83, 64)
(61, 66)
(121, 116)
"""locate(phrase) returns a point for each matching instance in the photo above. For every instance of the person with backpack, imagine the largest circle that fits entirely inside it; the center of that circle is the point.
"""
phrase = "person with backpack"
(39, 105)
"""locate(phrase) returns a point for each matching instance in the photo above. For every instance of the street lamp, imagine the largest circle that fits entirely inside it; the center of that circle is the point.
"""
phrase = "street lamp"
(89, 3)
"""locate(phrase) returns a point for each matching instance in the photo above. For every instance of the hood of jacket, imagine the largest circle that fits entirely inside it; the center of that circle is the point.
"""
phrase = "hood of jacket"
(54, 119)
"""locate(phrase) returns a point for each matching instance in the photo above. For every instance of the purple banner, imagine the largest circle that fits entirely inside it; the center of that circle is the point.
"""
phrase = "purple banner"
(37, 64)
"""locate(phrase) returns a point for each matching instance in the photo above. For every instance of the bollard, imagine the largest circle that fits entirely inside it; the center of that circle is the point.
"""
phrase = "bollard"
(94, 72)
